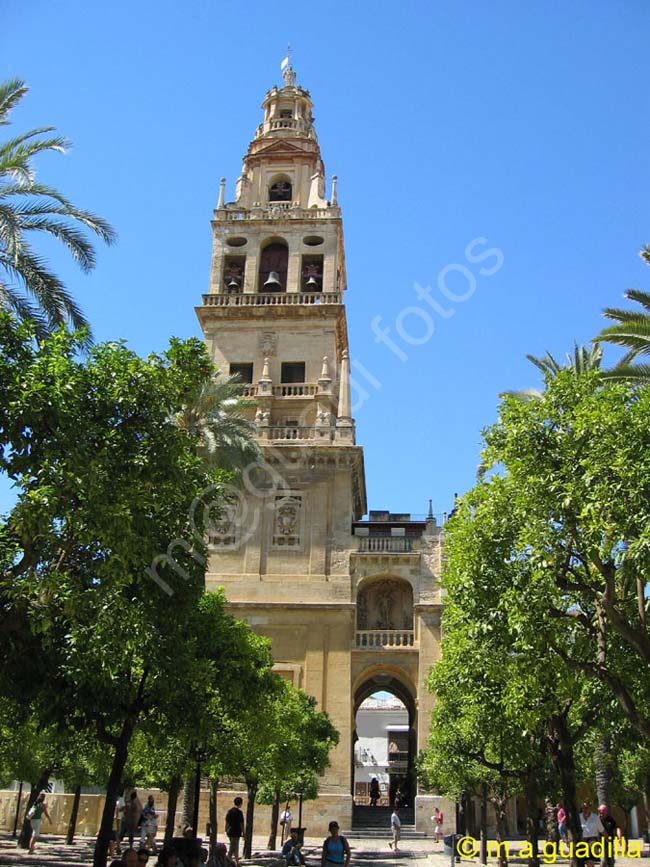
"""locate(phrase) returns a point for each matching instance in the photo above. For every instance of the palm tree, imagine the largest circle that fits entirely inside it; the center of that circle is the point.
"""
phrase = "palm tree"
(214, 419)
(584, 358)
(27, 285)
(632, 330)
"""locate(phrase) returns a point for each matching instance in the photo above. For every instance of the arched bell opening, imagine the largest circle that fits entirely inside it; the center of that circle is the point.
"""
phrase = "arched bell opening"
(281, 189)
(274, 262)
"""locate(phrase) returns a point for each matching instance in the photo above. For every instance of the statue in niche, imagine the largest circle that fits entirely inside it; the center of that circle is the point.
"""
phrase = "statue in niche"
(362, 610)
(384, 606)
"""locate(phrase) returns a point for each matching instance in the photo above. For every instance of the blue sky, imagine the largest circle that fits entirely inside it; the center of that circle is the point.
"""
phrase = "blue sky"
(524, 124)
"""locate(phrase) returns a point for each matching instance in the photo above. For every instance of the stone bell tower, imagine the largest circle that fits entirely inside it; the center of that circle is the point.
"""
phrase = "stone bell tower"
(292, 552)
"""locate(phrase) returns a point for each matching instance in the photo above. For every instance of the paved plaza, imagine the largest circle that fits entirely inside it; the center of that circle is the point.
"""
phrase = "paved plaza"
(418, 853)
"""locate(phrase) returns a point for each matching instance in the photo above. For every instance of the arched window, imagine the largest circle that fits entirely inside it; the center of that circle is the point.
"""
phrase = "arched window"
(274, 262)
(281, 190)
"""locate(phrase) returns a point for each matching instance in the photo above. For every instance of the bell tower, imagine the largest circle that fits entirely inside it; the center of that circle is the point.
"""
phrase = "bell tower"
(275, 314)
(351, 606)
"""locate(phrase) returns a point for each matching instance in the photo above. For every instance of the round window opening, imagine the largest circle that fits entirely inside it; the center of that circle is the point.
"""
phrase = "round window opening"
(236, 242)
(313, 240)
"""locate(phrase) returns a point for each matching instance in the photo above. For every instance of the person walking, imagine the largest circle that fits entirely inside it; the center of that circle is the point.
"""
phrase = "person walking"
(148, 826)
(592, 830)
(235, 828)
(561, 823)
(131, 817)
(612, 831)
(286, 820)
(35, 816)
(396, 827)
(336, 849)
(437, 824)
(374, 792)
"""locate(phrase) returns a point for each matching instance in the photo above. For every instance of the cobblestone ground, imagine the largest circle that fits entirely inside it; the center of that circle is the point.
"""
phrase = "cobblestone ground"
(52, 851)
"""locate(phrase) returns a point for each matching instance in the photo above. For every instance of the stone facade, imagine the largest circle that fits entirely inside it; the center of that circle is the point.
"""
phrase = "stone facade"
(351, 606)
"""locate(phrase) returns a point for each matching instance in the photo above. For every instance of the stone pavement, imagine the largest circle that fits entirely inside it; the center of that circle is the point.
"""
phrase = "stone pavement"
(51, 851)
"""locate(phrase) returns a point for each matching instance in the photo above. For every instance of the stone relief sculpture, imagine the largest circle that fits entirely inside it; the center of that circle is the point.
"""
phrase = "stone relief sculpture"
(286, 531)
(268, 343)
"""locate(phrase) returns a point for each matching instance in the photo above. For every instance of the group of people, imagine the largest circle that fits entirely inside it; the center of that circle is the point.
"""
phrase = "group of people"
(131, 819)
(594, 827)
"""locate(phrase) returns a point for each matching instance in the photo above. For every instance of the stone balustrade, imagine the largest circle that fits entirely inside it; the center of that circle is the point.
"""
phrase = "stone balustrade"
(299, 433)
(296, 389)
(278, 209)
(270, 299)
(249, 391)
(391, 544)
(380, 638)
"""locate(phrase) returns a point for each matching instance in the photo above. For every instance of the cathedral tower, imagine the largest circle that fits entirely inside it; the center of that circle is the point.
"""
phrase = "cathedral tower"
(349, 605)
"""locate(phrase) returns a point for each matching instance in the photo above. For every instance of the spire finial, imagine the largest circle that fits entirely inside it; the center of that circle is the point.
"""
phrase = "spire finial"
(287, 71)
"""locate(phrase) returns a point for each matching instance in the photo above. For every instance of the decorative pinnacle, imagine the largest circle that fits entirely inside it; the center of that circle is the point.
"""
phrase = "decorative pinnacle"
(222, 190)
(287, 71)
(334, 199)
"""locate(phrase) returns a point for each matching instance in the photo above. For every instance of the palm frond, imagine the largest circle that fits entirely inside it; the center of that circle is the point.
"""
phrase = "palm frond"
(635, 374)
(11, 92)
(547, 364)
(32, 290)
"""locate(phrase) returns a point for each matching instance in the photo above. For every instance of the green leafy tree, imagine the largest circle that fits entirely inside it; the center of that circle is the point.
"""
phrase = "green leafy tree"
(506, 716)
(305, 738)
(270, 742)
(92, 593)
(29, 208)
(577, 461)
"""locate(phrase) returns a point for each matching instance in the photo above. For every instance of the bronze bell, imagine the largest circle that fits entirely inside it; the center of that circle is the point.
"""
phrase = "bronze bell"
(272, 282)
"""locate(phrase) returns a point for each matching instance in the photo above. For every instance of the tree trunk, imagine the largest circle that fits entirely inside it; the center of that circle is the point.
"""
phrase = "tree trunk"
(499, 804)
(646, 805)
(112, 791)
(72, 824)
(563, 760)
(484, 802)
(604, 768)
(172, 801)
(251, 786)
(532, 830)
(17, 815)
(275, 812)
(37, 788)
(214, 786)
(188, 803)
(552, 830)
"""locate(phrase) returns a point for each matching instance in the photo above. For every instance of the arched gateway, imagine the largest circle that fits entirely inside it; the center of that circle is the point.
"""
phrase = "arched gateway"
(350, 605)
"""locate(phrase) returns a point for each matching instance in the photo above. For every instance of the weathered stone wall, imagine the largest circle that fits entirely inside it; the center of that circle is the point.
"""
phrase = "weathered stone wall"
(316, 814)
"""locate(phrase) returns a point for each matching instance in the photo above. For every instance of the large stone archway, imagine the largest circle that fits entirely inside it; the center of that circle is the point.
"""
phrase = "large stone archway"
(400, 769)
